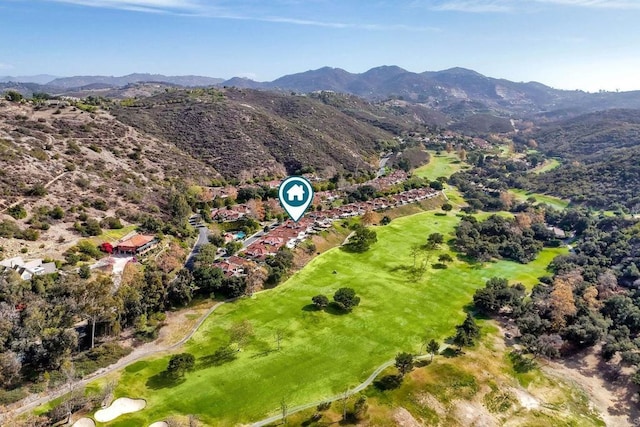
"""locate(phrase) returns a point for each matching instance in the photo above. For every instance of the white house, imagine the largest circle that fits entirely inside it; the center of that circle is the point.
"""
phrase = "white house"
(28, 269)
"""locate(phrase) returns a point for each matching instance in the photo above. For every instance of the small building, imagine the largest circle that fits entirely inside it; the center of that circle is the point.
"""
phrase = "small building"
(136, 245)
(28, 269)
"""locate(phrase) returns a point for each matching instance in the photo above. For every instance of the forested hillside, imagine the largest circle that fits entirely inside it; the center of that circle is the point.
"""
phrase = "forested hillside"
(600, 151)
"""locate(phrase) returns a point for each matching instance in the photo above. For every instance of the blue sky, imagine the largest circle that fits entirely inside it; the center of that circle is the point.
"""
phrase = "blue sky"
(568, 44)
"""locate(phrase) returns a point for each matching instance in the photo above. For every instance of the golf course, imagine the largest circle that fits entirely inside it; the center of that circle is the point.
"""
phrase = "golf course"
(322, 353)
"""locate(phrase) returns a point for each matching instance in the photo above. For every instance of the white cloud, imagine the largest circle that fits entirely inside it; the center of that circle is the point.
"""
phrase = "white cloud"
(497, 6)
(198, 8)
(599, 4)
(472, 6)
(156, 6)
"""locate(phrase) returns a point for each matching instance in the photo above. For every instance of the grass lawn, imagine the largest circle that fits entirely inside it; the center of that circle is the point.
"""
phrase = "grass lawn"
(548, 165)
(445, 164)
(322, 353)
(554, 202)
(113, 236)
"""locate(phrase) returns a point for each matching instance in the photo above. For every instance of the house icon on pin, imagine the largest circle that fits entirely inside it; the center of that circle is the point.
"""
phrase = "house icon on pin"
(296, 192)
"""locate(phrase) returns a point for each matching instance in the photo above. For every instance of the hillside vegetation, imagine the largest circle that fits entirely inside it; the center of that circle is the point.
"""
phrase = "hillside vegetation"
(247, 133)
(601, 152)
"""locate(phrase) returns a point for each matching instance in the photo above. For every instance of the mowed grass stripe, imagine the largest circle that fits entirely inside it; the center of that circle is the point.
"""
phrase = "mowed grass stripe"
(322, 354)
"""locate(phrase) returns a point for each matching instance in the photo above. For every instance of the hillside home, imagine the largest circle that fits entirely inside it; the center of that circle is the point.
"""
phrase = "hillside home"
(136, 245)
(28, 269)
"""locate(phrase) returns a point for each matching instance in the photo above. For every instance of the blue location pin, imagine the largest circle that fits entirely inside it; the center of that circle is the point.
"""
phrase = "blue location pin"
(295, 194)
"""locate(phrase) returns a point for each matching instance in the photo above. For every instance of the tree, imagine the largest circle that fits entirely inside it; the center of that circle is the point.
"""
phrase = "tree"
(94, 300)
(320, 301)
(207, 278)
(179, 364)
(432, 348)
(256, 277)
(404, 362)
(470, 326)
(436, 185)
(13, 96)
(362, 239)
(434, 240)
(232, 247)
(84, 272)
(178, 208)
(182, 288)
(461, 339)
(447, 207)
(10, 367)
(562, 300)
(385, 220)
(445, 258)
(346, 298)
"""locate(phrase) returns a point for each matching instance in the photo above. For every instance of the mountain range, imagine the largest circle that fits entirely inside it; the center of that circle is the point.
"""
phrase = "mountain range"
(457, 92)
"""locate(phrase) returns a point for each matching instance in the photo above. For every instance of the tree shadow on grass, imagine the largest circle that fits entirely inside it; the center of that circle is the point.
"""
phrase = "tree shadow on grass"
(221, 356)
(310, 307)
(422, 363)
(162, 380)
(451, 352)
(335, 309)
(388, 382)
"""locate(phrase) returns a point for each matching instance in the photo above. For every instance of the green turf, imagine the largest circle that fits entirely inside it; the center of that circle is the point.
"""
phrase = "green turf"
(113, 235)
(554, 202)
(548, 165)
(445, 164)
(322, 353)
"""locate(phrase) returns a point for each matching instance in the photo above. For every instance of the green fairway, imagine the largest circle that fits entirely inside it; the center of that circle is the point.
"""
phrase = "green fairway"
(554, 202)
(548, 165)
(322, 353)
(444, 164)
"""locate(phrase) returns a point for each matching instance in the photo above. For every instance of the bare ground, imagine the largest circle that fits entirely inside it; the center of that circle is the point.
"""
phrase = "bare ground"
(609, 392)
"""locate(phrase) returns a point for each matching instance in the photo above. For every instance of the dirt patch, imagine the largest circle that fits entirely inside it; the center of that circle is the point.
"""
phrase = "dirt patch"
(473, 414)
(609, 390)
(526, 400)
(403, 418)
(428, 400)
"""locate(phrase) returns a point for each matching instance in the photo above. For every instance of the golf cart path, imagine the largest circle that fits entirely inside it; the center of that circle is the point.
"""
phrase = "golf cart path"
(139, 353)
(366, 383)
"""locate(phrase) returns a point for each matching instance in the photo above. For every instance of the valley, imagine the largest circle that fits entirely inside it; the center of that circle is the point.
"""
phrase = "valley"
(421, 237)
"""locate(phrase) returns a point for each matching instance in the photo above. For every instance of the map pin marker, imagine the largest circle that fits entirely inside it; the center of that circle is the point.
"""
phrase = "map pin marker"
(295, 194)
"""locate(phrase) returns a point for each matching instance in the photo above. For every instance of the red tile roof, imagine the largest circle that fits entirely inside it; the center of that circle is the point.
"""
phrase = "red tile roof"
(136, 241)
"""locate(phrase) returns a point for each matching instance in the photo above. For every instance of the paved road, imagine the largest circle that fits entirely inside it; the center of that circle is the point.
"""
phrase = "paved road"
(203, 237)
(382, 164)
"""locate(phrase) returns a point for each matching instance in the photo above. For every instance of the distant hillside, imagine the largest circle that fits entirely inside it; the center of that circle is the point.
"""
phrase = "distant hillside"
(248, 133)
(458, 89)
(457, 92)
(601, 152)
(82, 81)
(39, 79)
(591, 135)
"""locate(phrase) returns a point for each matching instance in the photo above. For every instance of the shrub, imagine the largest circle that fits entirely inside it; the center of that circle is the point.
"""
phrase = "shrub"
(18, 212)
(99, 357)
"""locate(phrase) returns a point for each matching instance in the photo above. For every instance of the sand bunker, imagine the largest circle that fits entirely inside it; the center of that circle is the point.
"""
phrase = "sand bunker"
(159, 424)
(84, 422)
(120, 406)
